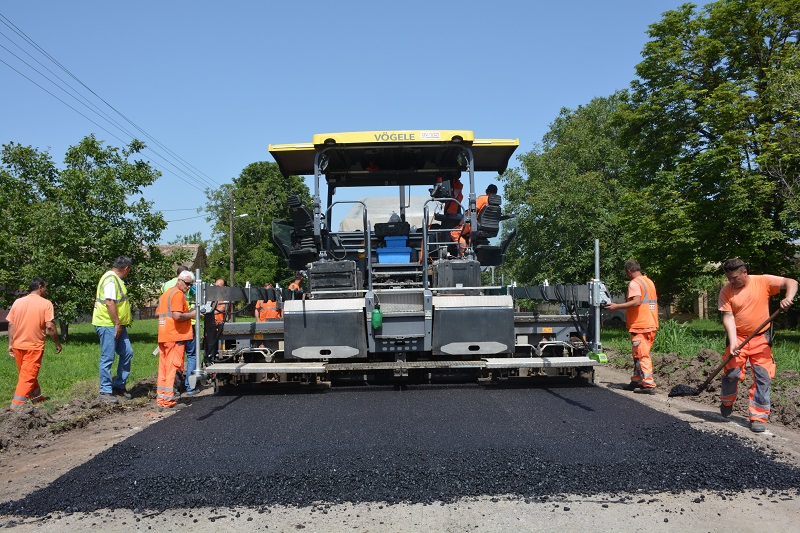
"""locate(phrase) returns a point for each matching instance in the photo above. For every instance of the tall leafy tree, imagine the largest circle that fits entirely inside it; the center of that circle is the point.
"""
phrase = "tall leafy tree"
(712, 124)
(571, 190)
(69, 225)
(260, 192)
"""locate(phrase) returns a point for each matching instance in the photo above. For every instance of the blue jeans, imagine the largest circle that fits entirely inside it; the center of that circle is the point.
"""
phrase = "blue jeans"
(108, 347)
(191, 360)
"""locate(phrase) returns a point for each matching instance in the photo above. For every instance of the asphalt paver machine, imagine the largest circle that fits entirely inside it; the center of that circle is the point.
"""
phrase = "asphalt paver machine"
(402, 300)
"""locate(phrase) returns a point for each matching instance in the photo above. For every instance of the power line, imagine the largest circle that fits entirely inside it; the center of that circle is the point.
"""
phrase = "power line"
(99, 113)
(196, 175)
(90, 120)
(182, 219)
(191, 184)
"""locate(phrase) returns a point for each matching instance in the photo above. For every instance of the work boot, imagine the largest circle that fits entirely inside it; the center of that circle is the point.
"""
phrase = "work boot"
(726, 410)
(757, 426)
(176, 407)
(646, 390)
(107, 397)
(122, 392)
(632, 386)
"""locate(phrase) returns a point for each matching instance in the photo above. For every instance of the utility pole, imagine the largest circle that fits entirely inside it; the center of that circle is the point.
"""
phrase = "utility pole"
(230, 232)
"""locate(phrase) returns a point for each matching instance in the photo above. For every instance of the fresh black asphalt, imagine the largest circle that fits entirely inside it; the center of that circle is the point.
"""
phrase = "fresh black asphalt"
(424, 444)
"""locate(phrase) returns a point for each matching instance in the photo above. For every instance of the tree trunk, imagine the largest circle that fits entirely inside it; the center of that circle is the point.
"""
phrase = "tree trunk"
(64, 326)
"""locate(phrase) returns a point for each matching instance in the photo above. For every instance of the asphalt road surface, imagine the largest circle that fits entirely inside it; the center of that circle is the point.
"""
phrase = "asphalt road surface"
(422, 445)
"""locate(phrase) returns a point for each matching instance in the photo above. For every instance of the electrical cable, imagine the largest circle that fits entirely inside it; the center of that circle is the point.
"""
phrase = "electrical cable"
(199, 176)
(41, 50)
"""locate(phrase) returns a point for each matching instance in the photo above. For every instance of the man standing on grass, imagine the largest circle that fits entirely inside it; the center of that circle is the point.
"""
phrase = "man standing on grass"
(641, 319)
(111, 318)
(744, 304)
(30, 318)
(174, 330)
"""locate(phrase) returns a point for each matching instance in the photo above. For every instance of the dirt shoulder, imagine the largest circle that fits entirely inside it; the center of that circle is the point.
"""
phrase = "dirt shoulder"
(671, 370)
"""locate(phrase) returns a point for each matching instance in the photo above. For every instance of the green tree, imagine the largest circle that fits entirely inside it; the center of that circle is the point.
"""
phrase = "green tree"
(260, 191)
(570, 191)
(68, 226)
(712, 126)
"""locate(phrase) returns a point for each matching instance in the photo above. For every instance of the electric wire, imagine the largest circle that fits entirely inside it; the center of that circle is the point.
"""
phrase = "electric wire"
(41, 50)
(198, 176)
(123, 141)
(182, 219)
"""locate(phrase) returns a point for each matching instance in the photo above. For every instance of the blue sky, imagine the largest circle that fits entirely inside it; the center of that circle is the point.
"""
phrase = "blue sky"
(216, 82)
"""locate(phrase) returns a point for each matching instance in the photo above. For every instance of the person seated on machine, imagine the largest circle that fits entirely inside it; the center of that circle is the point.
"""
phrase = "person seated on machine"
(483, 200)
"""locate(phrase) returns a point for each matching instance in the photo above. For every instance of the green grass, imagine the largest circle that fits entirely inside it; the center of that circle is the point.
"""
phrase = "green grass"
(689, 338)
(74, 372)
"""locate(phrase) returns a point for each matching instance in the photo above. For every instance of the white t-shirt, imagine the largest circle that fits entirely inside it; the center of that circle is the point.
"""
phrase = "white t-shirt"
(110, 290)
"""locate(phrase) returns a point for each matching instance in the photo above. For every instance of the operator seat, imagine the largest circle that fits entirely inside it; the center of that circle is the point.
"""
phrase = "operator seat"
(488, 220)
(304, 247)
(303, 222)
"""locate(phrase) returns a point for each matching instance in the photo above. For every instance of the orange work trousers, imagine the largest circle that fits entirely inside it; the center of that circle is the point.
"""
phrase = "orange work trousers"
(762, 364)
(642, 343)
(28, 364)
(170, 360)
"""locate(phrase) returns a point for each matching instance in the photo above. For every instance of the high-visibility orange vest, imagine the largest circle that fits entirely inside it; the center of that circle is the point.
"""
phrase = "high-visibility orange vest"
(267, 309)
(481, 202)
(220, 311)
(644, 316)
(170, 330)
(452, 208)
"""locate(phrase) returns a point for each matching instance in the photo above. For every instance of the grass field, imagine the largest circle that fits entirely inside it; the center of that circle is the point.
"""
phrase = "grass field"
(689, 338)
(74, 372)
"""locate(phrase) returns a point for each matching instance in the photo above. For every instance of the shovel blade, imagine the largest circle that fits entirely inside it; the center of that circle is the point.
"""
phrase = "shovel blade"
(683, 390)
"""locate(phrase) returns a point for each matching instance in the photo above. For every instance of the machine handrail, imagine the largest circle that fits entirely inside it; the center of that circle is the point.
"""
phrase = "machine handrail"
(367, 234)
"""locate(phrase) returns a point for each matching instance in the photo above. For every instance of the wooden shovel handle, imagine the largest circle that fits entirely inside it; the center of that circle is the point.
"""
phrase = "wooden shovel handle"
(748, 339)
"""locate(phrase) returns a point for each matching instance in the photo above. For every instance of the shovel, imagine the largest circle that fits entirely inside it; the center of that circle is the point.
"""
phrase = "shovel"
(686, 390)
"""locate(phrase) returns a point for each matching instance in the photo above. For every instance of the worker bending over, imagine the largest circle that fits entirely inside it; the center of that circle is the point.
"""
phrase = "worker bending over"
(744, 304)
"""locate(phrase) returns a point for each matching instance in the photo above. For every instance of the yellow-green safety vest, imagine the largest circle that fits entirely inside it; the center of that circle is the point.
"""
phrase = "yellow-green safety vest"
(100, 316)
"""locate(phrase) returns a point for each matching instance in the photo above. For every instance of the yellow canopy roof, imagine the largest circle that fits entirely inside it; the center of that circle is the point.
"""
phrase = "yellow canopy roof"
(405, 157)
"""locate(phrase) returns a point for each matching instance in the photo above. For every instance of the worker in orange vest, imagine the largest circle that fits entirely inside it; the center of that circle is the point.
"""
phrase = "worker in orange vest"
(641, 319)
(483, 200)
(457, 190)
(267, 309)
(174, 329)
(744, 304)
(30, 318)
(223, 307)
(295, 287)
